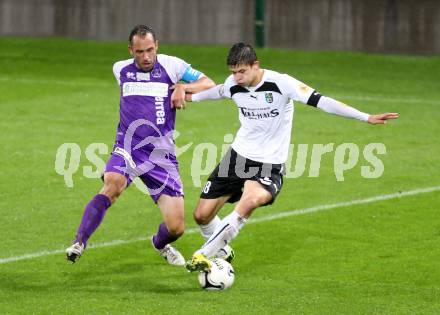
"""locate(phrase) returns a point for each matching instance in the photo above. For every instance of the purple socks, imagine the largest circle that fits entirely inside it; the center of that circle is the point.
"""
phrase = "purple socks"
(163, 237)
(94, 213)
(92, 217)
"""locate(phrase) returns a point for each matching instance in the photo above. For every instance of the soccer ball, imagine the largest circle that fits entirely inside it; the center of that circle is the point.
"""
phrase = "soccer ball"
(220, 277)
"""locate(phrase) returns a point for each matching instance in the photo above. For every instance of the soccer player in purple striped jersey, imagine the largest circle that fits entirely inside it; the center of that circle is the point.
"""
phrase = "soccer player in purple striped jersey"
(150, 93)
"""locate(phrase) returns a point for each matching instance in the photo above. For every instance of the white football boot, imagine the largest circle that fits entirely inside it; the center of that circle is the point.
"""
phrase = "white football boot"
(170, 254)
(226, 253)
(74, 252)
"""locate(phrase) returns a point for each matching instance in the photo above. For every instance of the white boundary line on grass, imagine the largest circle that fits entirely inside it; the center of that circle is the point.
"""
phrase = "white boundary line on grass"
(257, 220)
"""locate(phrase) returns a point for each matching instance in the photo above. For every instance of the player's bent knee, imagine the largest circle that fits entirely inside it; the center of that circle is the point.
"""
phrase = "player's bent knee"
(111, 193)
(113, 187)
(176, 229)
(202, 217)
(253, 202)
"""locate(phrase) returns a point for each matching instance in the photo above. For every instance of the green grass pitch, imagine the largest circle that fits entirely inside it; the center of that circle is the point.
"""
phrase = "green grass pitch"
(370, 258)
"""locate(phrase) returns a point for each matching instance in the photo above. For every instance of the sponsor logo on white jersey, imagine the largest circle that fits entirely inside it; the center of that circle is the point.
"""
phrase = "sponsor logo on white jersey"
(145, 89)
(257, 113)
(269, 97)
(143, 76)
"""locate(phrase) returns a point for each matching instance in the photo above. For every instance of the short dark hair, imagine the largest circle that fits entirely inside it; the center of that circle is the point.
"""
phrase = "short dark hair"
(141, 30)
(241, 54)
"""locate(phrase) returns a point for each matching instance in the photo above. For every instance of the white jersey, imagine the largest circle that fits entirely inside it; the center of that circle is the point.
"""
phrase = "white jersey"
(266, 114)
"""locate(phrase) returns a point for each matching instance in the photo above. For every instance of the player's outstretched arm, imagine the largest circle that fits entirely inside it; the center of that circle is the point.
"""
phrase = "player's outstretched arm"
(214, 93)
(178, 97)
(332, 106)
(201, 84)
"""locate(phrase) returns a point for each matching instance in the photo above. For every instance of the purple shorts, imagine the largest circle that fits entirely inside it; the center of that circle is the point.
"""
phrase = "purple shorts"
(158, 170)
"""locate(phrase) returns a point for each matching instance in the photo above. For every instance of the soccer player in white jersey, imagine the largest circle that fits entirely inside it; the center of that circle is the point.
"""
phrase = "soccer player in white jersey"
(150, 91)
(252, 170)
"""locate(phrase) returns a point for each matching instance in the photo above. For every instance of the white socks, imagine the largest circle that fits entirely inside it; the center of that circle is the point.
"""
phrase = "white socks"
(225, 232)
(208, 229)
